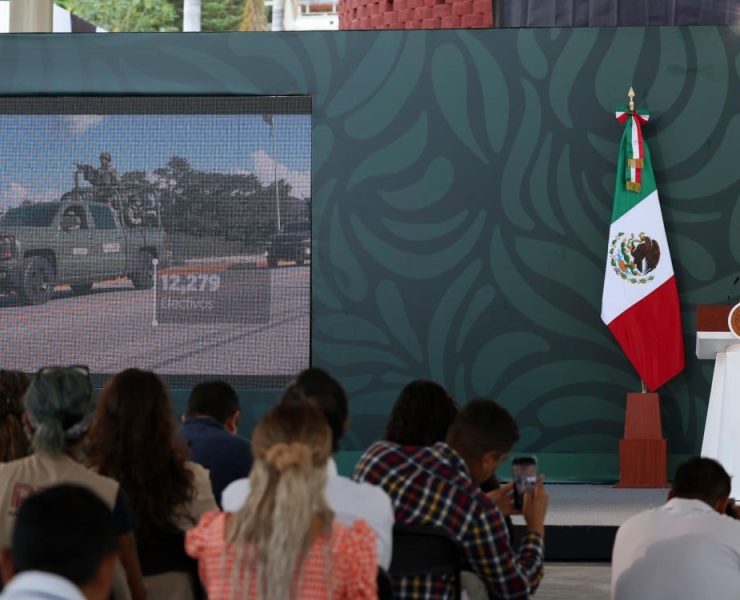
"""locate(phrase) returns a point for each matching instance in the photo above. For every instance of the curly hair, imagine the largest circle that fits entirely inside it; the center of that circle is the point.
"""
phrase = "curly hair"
(134, 440)
(421, 415)
(13, 440)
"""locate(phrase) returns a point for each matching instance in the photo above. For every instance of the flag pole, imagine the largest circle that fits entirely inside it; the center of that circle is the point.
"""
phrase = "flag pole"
(643, 451)
(274, 165)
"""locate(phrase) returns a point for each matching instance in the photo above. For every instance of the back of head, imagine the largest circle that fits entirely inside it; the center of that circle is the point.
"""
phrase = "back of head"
(66, 530)
(215, 399)
(59, 404)
(421, 415)
(134, 440)
(703, 479)
(328, 395)
(13, 441)
(482, 426)
(291, 446)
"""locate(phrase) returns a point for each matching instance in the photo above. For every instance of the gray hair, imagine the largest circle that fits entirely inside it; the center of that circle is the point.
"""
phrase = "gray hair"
(59, 404)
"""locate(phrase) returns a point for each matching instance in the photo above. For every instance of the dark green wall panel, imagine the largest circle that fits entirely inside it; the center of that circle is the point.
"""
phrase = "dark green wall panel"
(462, 185)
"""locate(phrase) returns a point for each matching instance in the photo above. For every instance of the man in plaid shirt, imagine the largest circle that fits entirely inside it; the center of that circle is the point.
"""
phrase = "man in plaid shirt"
(438, 486)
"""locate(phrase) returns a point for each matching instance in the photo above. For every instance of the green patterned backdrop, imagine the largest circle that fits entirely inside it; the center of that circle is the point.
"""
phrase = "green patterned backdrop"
(462, 185)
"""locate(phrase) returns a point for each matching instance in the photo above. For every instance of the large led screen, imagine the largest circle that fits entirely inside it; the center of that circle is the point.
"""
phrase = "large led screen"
(165, 233)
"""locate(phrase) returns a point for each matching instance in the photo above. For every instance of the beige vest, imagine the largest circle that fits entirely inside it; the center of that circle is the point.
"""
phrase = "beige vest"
(21, 478)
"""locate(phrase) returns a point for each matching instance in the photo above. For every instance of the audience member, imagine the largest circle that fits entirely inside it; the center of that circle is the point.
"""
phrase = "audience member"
(438, 485)
(283, 542)
(134, 440)
(687, 548)
(329, 395)
(421, 415)
(348, 499)
(13, 440)
(209, 428)
(64, 547)
(58, 410)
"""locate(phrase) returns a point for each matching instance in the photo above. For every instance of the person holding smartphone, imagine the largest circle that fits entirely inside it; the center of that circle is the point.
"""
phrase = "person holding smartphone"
(438, 485)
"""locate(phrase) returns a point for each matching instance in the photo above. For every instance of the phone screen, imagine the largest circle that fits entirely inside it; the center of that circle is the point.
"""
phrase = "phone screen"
(524, 475)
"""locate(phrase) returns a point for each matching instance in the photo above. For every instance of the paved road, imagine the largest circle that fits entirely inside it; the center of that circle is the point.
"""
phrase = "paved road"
(111, 328)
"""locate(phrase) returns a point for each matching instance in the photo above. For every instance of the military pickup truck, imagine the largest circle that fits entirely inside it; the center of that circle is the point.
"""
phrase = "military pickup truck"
(74, 241)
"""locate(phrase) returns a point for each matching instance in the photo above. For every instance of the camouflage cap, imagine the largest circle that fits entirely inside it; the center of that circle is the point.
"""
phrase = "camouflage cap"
(105, 156)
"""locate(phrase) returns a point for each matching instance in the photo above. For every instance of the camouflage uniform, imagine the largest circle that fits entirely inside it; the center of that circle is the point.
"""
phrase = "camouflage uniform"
(104, 179)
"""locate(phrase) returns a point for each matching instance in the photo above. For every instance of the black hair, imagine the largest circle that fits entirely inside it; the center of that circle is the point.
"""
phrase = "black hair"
(215, 399)
(66, 530)
(421, 416)
(482, 426)
(701, 478)
(317, 386)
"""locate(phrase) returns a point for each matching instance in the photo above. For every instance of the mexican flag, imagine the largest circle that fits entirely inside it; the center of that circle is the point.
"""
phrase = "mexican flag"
(640, 299)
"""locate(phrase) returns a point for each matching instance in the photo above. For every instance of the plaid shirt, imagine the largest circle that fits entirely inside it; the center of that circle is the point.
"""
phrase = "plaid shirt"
(432, 486)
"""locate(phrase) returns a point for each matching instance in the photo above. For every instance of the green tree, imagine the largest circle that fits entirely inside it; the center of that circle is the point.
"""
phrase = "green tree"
(128, 15)
(221, 15)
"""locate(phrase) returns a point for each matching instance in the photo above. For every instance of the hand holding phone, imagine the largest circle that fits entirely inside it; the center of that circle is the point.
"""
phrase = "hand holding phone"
(524, 476)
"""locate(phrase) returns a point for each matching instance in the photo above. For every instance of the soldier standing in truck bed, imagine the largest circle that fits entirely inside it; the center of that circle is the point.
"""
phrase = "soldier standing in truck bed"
(104, 179)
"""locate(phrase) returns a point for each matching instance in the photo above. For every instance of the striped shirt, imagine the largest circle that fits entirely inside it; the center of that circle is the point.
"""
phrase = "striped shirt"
(432, 486)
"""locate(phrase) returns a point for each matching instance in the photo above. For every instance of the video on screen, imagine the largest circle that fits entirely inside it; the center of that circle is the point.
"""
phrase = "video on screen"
(170, 234)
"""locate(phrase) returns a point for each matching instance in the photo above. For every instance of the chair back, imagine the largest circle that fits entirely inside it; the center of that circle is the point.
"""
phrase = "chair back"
(385, 586)
(422, 550)
(163, 552)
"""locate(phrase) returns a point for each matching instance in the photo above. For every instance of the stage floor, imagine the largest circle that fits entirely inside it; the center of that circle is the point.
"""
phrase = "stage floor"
(601, 505)
(582, 520)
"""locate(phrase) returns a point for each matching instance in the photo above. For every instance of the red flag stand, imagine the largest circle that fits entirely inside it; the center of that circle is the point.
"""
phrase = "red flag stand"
(643, 453)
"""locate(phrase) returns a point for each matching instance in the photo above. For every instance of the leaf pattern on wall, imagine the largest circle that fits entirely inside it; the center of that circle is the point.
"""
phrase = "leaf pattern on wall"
(462, 187)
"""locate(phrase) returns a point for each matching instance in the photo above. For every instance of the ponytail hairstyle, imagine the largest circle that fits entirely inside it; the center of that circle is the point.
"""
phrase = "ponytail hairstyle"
(291, 446)
(59, 405)
(13, 440)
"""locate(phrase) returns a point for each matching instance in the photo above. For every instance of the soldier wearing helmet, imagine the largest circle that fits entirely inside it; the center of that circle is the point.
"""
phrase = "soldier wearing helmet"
(104, 179)
(106, 176)
(134, 212)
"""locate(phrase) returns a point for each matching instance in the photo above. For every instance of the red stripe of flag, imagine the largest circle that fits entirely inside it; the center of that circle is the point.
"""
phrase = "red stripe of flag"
(649, 332)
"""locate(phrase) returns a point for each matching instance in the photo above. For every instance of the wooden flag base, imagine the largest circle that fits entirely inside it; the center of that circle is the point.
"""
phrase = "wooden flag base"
(643, 453)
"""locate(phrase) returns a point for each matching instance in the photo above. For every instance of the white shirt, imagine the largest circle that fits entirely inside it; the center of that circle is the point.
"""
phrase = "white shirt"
(683, 550)
(348, 499)
(37, 585)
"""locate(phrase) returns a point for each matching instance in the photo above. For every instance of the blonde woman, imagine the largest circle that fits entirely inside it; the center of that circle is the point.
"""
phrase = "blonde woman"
(284, 544)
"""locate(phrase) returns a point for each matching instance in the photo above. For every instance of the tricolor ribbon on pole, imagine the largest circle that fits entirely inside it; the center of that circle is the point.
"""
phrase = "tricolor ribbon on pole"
(635, 150)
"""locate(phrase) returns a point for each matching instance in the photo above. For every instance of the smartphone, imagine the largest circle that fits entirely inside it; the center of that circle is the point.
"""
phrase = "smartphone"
(524, 475)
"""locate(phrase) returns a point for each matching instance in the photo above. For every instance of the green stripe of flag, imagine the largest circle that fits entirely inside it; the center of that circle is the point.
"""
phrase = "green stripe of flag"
(624, 199)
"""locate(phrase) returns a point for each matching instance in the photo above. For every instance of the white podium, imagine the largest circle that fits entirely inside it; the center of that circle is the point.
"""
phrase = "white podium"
(722, 430)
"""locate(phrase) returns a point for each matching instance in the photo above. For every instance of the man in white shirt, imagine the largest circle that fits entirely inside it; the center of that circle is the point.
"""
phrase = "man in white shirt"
(64, 547)
(348, 499)
(688, 548)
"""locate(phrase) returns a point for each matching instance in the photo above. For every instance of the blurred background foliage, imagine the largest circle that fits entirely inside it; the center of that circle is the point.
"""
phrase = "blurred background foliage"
(166, 15)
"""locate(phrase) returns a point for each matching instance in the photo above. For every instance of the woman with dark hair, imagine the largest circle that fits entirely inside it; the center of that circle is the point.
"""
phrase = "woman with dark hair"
(58, 408)
(13, 440)
(134, 441)
(284, 542)
(421, 415)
